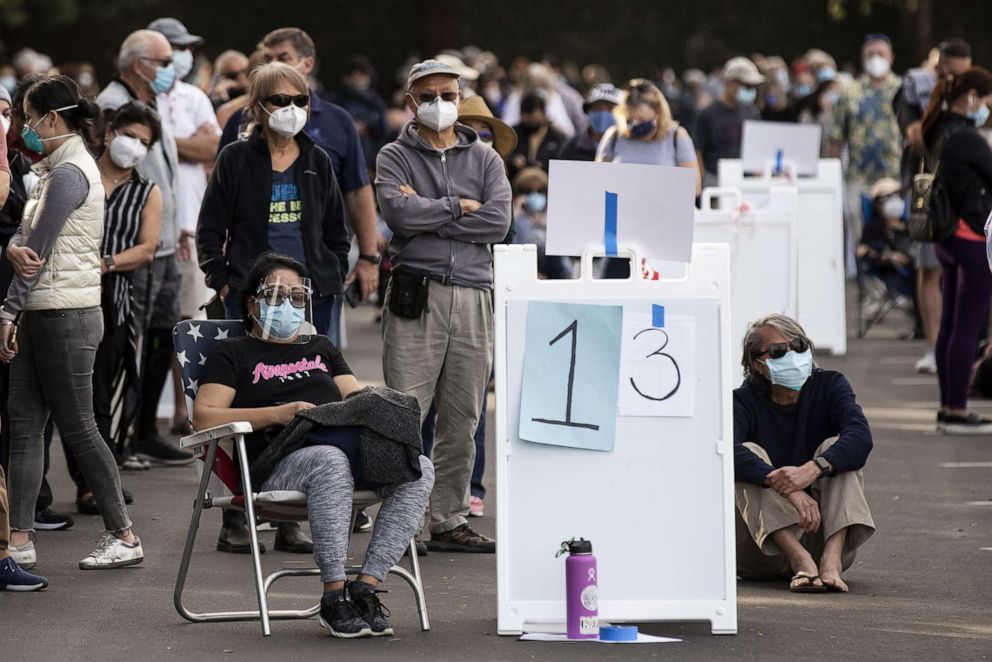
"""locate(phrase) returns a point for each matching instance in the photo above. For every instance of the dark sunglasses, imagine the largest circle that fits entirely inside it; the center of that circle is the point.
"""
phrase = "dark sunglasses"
(428, 97)
(486, 135)
(780, 349)
(283, 100)
(274, 296)
(234, 75)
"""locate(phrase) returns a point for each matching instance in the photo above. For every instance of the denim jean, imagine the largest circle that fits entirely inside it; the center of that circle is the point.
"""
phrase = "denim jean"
(322, 307)
(52, 376)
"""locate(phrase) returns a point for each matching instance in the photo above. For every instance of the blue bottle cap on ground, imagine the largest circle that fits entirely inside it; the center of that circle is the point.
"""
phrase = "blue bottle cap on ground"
(618, 633)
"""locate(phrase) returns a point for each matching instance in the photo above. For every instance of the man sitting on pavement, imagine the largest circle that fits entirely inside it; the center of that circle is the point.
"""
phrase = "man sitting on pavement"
(800, 442)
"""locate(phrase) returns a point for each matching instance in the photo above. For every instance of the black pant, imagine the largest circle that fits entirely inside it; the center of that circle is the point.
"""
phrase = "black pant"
(45, 496)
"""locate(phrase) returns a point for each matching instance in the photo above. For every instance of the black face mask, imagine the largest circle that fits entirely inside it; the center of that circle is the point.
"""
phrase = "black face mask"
(530, 128)
(235, 92)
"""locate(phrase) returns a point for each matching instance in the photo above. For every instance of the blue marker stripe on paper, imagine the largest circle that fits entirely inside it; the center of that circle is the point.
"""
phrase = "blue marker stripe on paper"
(657, 316)
(610, 234)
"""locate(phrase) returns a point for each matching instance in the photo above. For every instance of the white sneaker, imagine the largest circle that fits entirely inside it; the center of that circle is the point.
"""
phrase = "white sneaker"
(112, 552)
(927, 363)
(25, 555)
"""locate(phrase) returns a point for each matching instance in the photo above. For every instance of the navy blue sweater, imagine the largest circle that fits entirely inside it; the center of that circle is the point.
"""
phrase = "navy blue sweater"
(791, 433)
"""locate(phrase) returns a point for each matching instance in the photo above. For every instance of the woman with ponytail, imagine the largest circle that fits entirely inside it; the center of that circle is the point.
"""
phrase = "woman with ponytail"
(959, 106)
(51, 322)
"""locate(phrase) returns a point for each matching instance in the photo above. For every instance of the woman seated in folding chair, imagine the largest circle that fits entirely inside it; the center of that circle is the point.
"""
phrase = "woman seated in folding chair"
(886, 268)
(281, 367)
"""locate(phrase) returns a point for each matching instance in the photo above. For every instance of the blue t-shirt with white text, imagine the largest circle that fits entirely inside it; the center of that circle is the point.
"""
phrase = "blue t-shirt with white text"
(286, 215)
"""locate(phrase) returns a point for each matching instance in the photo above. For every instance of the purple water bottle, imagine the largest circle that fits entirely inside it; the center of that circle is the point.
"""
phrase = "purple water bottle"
(581, 590)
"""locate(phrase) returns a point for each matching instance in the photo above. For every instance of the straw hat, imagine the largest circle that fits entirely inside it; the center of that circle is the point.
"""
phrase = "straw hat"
(884, 186)
(475, 108)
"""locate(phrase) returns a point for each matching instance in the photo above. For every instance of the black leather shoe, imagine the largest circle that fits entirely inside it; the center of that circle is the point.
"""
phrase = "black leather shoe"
(235, 540)
(290, 538)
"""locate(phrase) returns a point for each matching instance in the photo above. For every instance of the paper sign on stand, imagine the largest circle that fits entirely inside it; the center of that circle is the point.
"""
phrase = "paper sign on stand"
(778, 146)
(610, 206)
(657, 374)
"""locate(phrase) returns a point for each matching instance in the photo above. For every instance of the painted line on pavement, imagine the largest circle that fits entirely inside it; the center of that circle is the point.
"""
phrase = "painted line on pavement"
(966, 465)
(978, 503)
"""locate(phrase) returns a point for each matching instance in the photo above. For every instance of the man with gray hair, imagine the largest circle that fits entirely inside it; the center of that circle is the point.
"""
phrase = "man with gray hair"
(145, 70)
(800, 442)
(446, 198)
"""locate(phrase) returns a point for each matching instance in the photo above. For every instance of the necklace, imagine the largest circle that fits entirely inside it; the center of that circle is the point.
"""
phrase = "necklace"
(113, 181)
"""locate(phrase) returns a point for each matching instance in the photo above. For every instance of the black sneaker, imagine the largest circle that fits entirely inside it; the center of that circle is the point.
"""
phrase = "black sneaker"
(339, 615)
(421, 548)
(362, 522)
(365, 597)
(461, 539)
(970, 424)
(158, 450)
(49, 520)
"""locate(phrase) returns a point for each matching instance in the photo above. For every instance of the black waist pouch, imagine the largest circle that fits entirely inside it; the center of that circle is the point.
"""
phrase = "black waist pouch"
(408, 289)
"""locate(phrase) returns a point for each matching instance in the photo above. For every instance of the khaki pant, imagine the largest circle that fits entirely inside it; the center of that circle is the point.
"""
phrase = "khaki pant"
(4, 518)
(761, 511)
(445, 354)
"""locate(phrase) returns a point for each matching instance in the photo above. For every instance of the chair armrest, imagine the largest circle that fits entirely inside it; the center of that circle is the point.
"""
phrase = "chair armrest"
(216, 432)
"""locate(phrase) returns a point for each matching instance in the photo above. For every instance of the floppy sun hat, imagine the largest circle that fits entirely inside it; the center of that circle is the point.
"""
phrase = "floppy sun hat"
(504, 138)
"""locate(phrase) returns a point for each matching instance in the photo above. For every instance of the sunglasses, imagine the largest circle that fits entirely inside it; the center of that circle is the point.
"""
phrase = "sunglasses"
(780, 349)
(234, 75)
(486, 135)
(428, 97)
(283, 100)
(274, 296)
(164, 62)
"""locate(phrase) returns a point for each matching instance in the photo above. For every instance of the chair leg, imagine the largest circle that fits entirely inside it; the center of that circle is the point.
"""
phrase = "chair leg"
(418, 590)
(263, 608)
(194, 526)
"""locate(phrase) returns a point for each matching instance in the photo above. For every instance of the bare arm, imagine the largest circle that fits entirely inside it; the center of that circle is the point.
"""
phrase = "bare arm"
(201, 147)
(148, 235)
(361, 212)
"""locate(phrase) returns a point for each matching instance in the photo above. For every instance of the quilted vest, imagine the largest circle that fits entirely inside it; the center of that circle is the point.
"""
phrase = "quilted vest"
(71, 276)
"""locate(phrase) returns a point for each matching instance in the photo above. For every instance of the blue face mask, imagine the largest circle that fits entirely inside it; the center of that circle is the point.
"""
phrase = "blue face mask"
(280, 322)
(164, 78)
(791, 370)
(601, 120)
(536, 201)
(183, 62)
(746, 95)
(803, 90)
(824, 74)
(35, 142)
(642, 129)
(834, 97)
(980, 115)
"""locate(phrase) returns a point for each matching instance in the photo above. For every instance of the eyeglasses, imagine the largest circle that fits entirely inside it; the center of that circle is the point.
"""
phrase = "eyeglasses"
(234, 75)
(428, 97)
(274, 295)
(165, 61)
(780, 349)
(639, 85)
(283, 100)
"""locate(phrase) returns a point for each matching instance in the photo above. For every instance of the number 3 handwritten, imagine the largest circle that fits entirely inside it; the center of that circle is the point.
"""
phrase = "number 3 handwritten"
(659, 352)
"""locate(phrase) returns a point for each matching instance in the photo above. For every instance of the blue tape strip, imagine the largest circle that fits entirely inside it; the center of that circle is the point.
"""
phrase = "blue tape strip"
(610, 231)
(657, 316)
(618, 633)
(778, 162)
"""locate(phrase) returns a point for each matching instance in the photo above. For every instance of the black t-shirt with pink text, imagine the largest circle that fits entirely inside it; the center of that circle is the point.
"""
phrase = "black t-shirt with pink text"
(265, 374)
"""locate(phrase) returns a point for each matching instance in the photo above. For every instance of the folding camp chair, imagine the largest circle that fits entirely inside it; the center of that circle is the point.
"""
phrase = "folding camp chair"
(222, 464)
(875, 296)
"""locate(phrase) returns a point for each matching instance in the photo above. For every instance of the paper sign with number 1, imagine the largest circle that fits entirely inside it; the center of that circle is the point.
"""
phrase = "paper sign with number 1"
(571, 367)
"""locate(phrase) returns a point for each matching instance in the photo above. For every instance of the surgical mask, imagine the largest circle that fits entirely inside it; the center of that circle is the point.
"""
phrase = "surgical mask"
(287, 121)
(280, 322)
(746, 95)
(791, 370)
(642, 129)
(9, 82)
(536, 201)
(85, 79)
(601, 120)
(183, 62)
(4, 124)
(894, 207)
(127, 152)
(803, 90)
(833, 96)
(877, 66)
(35, 142)
(438, 115)
(980, 115)
(781, 77)
(164, 78)
(824, 74)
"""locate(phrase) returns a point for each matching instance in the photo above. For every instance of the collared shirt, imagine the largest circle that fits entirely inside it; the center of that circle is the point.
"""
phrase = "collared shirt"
(183, 110)
(865, 119)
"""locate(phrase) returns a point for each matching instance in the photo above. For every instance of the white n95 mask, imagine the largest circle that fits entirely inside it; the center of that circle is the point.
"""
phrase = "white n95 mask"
(438, 114)
(287, 121)
(127, 152)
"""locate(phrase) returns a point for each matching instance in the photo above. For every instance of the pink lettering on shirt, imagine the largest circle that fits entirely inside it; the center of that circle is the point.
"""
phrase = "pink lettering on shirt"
(286, 371)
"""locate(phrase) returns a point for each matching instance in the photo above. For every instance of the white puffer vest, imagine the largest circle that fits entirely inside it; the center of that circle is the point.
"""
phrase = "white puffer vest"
(71, 276)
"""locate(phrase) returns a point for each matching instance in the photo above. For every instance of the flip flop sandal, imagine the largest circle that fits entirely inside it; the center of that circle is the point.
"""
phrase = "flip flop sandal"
(808, 586)
(831, 588)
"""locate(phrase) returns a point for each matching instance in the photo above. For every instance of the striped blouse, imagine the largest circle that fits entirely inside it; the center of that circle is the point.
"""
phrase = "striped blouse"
(121, 226)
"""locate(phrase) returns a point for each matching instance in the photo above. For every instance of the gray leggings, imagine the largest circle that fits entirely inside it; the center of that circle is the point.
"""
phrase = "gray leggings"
(52, 375)
(323, 473)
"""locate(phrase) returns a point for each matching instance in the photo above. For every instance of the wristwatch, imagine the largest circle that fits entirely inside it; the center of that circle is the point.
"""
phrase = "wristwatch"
(374, 259)
(109, 261)
(825, 466)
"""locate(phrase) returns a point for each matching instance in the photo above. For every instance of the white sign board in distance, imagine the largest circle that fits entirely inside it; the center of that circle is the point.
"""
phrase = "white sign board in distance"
(778, 144)
(611, 207)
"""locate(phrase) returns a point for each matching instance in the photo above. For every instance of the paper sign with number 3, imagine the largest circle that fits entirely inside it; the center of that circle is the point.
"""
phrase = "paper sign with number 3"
(657, 368)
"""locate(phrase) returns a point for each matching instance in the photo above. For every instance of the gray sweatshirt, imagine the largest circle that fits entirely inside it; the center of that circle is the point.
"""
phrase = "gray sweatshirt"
(429, 230)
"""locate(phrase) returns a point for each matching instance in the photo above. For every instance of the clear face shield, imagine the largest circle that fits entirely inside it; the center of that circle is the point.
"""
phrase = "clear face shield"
(282, 309)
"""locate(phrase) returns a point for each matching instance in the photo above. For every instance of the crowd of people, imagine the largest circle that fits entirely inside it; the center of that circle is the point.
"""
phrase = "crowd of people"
(134, 205)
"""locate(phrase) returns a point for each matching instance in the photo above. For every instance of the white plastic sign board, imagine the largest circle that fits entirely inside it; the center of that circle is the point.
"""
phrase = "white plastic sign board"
(778, 143)
(662, 500)
(615, 206)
